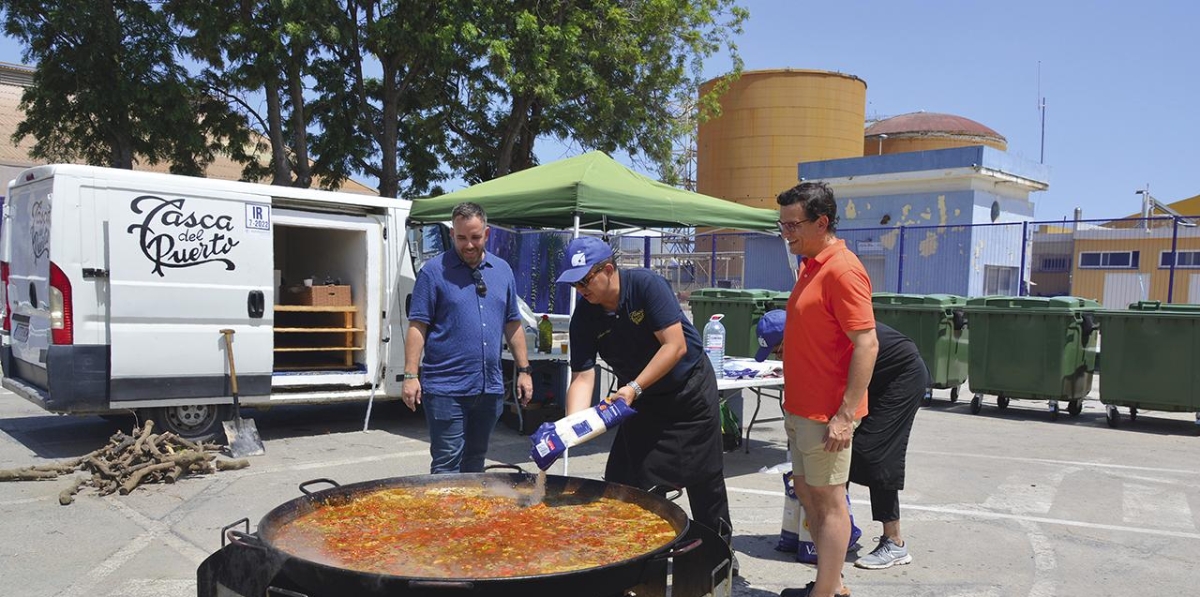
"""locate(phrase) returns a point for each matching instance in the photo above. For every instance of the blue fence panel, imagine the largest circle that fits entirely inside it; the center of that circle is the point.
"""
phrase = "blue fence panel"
(536, 258)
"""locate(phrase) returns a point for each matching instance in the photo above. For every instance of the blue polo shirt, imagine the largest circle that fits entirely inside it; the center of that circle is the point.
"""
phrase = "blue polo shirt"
(466, 331)
(625, 338)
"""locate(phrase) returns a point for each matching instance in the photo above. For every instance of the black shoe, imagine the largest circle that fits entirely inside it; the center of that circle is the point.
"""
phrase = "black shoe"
(806, 591)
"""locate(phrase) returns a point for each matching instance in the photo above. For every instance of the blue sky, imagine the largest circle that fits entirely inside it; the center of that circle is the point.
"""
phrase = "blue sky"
(1121, 81)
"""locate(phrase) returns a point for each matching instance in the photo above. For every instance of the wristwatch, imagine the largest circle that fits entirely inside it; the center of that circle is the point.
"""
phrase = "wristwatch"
(526, 369)
(408, 376)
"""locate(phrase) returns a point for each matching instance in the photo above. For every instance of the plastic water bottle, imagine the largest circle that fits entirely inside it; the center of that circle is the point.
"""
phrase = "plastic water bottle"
(714, 343)
(545, 334)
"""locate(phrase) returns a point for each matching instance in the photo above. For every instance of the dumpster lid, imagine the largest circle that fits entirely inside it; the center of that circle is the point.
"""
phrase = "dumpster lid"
(1055, 303)
(739, 294)
(1169, 307)
(925, 300)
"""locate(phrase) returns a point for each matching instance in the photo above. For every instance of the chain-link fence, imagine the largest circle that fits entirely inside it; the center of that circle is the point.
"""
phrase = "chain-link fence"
(1114, 262)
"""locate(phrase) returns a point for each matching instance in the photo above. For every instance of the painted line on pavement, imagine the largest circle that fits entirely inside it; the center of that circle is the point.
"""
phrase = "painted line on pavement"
(1060, 462)
(1044, 560)
(1154, 506)
(93, 578)
(1001, 515)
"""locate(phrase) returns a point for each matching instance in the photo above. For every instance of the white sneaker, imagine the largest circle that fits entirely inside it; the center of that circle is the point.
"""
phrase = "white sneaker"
(885, 555)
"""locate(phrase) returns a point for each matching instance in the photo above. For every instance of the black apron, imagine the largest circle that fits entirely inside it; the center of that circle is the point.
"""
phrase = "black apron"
(674, 440)
(894, 395)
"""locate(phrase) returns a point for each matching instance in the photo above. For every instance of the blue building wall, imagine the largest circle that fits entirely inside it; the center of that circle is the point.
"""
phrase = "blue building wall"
(936, 241)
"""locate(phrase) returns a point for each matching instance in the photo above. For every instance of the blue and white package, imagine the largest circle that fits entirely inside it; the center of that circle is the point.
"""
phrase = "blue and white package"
(789, 531)
(552, 439)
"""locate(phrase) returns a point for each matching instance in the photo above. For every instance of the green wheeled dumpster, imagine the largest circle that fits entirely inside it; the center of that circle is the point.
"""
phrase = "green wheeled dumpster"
(1151, 352)
(742, 309)
(1032, 348)
(937, 324)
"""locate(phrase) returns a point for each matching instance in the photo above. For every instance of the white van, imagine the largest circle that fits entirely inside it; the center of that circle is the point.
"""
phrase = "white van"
(118, 284)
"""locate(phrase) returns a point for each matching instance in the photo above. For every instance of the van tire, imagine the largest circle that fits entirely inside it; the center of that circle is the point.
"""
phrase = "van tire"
(196, 422)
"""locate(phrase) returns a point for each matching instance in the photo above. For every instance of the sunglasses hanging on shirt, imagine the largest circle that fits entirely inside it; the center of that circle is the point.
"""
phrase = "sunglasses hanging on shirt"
(480, 287)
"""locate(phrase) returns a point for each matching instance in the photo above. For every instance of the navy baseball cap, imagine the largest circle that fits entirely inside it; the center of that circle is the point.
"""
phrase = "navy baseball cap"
(770, 333)
(582, 255)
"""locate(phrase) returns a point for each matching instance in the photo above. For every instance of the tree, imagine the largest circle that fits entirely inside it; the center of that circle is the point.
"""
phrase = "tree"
(108, 90)
(605, 74)
(391, 125)
(253, 47)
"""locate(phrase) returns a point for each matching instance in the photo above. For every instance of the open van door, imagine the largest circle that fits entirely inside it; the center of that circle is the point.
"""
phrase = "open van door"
(28, 295)
(182, 267)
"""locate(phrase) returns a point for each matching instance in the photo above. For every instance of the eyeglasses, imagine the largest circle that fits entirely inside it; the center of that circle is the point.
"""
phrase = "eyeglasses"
(790, 227)
(480, 287)
(583, 282)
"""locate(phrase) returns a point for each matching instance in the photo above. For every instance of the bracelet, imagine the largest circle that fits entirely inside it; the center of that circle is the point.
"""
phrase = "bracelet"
(408, 376)
(637, 389)
(527, 369)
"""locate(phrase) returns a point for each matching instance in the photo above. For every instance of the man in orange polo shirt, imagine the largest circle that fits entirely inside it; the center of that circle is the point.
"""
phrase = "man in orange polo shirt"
(829, 354)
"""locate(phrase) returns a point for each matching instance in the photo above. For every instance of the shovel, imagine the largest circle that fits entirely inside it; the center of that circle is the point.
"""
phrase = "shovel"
(241, 434)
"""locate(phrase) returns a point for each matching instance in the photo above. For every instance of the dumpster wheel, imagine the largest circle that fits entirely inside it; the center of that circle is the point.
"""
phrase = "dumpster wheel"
(1132, 414)
(1002, 402)
(954, 394)
(976, 404)
(1112, 416)
(1075, 407)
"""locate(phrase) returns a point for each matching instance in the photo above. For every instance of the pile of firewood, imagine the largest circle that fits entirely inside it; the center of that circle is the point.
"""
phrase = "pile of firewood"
(131, 460)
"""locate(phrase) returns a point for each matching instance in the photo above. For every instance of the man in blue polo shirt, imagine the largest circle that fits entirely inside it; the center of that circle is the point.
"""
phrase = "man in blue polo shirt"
(632, 320)
(463, 303)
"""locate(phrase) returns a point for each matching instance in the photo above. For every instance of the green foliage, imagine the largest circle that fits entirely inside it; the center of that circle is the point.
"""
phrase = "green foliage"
(108, 89)
(261, 48)
(607, 74)
(409, 92)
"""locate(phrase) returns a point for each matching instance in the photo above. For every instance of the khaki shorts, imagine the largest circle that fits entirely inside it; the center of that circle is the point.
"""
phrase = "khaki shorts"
(809, 458)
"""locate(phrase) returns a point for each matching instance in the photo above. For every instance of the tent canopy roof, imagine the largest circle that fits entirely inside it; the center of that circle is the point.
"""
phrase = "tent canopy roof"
(601, 191)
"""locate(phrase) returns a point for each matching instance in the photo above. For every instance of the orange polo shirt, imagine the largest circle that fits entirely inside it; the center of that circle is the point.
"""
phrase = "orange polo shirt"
(832, 296)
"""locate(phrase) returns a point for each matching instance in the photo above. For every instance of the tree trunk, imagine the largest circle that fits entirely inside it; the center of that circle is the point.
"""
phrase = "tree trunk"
(523, 153)
(389, 177)
(299, 126)
(281, 172)
(517, 117)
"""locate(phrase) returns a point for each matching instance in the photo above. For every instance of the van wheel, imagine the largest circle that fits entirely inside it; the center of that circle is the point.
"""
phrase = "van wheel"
(196, 422)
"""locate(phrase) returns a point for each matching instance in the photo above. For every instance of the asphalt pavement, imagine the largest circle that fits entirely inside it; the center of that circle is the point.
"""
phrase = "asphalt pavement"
(1003, 503)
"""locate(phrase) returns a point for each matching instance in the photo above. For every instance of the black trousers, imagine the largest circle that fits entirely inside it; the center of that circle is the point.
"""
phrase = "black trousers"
(674, 442)
(885, 504)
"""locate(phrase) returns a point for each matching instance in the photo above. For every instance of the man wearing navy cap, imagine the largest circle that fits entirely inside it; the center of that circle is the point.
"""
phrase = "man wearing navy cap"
(632, 320)
(897, 386)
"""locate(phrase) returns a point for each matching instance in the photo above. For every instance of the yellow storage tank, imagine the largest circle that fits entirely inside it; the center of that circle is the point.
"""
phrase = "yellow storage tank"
(922, 131)
(770, 121)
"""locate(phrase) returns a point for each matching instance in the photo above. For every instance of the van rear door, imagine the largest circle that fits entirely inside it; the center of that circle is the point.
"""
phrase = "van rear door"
(28, 291)
(186, 262)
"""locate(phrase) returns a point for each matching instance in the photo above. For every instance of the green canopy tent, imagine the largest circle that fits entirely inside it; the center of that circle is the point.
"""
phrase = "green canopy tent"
(593, 191)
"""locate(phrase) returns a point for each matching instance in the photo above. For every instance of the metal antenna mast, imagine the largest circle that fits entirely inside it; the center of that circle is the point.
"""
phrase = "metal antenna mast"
(1042, 109)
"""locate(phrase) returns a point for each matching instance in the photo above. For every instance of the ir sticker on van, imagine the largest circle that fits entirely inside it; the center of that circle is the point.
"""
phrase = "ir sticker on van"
(258, 217)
